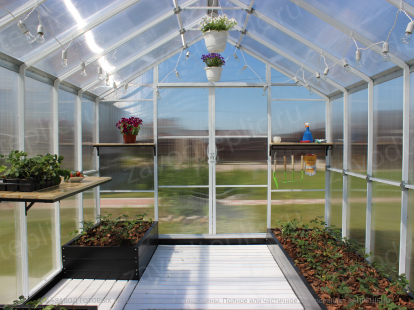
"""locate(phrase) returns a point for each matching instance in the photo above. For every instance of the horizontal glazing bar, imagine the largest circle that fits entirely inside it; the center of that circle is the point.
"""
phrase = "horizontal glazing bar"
(386, 182)
(298, 100)
(262, 136)
(211, 8)
(183, 137)
(127, 191)
(334, 170)
(126, 100)
(296, 190)
(361, 176)
(244, 186)
(183, 186)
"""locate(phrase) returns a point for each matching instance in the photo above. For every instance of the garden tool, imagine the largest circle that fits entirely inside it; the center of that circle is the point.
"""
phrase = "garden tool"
(307, 136)
(310, 161)
(274, 173)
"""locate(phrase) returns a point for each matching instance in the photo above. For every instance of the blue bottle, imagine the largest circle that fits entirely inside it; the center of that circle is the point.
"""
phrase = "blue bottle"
(307, 136)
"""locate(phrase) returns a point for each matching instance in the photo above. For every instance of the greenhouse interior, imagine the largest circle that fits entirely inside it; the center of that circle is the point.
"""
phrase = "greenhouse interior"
(256, 154)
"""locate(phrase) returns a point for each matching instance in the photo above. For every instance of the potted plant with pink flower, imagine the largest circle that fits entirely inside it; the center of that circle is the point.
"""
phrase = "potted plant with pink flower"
(129, 128)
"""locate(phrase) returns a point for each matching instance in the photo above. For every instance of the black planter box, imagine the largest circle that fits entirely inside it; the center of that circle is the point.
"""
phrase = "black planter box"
(20, 185)
(12, 184)
(109, 263)
(57, 308)
(27, 186)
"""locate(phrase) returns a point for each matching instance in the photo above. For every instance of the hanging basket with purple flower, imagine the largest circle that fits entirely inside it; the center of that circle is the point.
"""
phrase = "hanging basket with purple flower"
(214, 63)
(129, 128)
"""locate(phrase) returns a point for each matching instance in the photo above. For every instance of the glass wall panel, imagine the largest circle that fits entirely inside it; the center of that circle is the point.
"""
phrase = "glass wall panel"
(69, 218)
(241, 161)
(388, 125)
(386, 216)
(89, 206)
(130, 204)
(303, 206)
(67, 103)
(183, 210)
(9, 252)
(358, 131)
(241, 210)
(41, 241)
(357, 209)
(337, 131)
(8, 115)
(88, 128)
(38, 118)
(336, 194)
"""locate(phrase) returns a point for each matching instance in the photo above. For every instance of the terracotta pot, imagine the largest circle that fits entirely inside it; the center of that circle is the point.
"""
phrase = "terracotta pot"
(213, 73)
(130, 138)
(216, 41)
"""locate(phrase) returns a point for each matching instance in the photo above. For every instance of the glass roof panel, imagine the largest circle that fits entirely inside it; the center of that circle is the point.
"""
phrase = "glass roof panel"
(294, 48)
(62, 17)
(109, 33)
(10, 5)
(373, 19)
(134, 91)
(316, 31)
(283, 63)
(127, 51)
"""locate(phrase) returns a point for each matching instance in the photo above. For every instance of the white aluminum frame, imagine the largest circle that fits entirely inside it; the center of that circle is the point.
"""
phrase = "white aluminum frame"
(269, 140)
(155, 128)
(345, 167)
(78, 150)
(25, 8)
(407, 7)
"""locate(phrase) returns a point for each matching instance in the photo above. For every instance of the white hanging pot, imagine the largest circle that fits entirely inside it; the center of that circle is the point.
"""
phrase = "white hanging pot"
(215, 40)
(213, 73)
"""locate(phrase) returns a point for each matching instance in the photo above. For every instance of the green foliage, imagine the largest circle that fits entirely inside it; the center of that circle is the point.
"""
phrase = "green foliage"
(219, 23)
(39, 168)
(32, 304)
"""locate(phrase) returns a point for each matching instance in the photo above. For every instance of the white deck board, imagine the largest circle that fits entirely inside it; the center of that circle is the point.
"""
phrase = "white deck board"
(125, 295)
(189, 277)
(86, 296)
(112, 295)
(77, 292)
(60, 297)
(56, 289)
(101, 293)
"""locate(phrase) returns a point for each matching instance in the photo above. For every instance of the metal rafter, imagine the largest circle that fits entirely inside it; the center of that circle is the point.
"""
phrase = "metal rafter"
(292, 59)
(20, 11)
(407, 7)
(248, 9)
(77, 33)
(177, 10)
(138, 74)
(277, 68)
(140, 55)
(297, 37)
(123, 41)
(345, 29)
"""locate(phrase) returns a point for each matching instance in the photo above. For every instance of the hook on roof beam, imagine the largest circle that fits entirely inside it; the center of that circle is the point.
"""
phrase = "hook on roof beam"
(249, 11)
(177, 10)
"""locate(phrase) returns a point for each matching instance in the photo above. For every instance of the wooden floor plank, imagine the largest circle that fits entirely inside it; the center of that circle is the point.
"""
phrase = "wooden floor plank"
(101, 293)
(55, 290)
(60, 297)
(77, 292)
(125, 295)
(113, 295)
(86, 297)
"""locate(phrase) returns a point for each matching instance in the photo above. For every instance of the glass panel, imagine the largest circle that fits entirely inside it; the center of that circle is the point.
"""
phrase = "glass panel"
(130, 204)
(293, 176)
(357, 209)
(288, 118)
(69, 218)
(134, 89)
(304, 206)
(278, 77)
(41, 241)
(111, 112)
(388, 125)
(182, 161)
(89, 206)
(8, 107)
(10, 5)
(183, 210)
(386, 216)
(38, 116)
(358, 131)
(109, 33)
(241, 210)
(67, 103)
(237, 116)
(337, 121)
(88, 128)
(336, 194)
(241, 161)
(61, 17)
(129, 168)
(9, 252)
(183, 112)
(290, 92)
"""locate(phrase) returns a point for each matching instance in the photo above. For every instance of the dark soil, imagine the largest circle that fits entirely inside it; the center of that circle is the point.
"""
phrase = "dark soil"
(339, 276)
(121, 233)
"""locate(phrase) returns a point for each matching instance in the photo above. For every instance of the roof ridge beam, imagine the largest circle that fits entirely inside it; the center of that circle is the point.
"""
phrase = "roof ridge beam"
(276, 67)
(20, 11)
(30, 62)
(345, 29)
(140, 55)
(292, 59)
(123, 41)
(301, 39)
(136, 75)
(407, 7)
